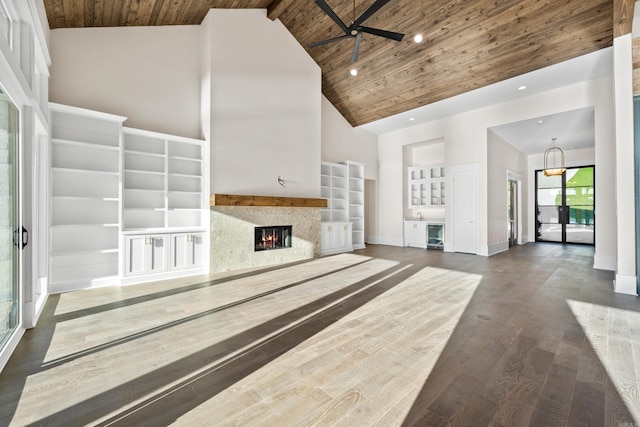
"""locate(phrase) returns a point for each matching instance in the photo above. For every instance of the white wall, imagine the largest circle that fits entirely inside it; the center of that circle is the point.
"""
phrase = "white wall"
(151, 75)
(341, 141)
(465, 137)
(503, 158)
(265, 107)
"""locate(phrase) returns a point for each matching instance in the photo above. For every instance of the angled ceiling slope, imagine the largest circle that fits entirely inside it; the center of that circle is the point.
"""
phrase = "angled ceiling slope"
(466, 45)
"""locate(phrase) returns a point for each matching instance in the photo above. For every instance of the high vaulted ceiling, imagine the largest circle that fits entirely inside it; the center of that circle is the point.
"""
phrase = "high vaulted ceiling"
(467, 44)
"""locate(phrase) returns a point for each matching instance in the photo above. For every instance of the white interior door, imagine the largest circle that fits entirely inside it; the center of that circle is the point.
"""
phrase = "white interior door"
(465, 207)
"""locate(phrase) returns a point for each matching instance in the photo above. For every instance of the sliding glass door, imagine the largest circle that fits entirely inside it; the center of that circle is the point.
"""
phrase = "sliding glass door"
(11, 237)
(565, 206)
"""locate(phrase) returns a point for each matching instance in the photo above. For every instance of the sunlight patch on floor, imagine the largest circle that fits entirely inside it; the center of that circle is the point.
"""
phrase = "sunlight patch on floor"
(373, 360)
(614, 335)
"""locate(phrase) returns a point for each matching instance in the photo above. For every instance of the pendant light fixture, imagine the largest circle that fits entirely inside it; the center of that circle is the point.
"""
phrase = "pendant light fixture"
(555, 169)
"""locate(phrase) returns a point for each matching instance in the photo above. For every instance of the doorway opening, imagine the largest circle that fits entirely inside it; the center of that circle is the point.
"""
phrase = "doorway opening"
(565, 206)
(512, 212)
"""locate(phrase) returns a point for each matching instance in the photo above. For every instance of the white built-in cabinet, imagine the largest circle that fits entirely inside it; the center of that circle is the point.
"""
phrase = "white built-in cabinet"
(187, 250)
(85, 196)
(415, 234)
(335, 237)
(146, 254)
(342, 184)
(158, 253)
(426, 186)
(118, 196)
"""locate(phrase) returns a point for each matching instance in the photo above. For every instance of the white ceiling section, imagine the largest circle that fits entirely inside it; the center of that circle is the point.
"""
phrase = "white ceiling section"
(573, 129)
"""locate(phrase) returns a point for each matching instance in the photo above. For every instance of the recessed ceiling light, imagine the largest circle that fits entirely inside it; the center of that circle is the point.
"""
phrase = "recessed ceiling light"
(412, 118)
(417, 38)
(540, 122)
(353, 72)
(523, 87)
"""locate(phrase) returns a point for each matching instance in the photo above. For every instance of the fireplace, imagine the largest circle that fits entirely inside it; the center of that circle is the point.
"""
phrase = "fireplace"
(273, 237)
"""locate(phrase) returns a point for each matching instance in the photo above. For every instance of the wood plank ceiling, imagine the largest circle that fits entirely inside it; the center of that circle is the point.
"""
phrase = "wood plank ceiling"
(467, 44)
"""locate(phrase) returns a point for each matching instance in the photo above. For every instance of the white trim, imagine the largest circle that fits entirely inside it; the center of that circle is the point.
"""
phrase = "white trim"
(497, 248)
(391, 242)
(10, 346)
(625, 285)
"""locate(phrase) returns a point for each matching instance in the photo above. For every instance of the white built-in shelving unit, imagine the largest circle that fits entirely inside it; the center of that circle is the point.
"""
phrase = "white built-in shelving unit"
(342, 184)
(334, 187)
(355, 172)
(124, 202)
(85, 196)
(426, 186)
(164, 204)
(163, 181)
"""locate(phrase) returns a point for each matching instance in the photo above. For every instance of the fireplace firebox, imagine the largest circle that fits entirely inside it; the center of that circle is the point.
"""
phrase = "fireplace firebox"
(273, 237)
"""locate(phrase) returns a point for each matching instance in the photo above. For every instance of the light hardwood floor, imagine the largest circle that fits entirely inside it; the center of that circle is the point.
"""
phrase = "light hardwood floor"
(379, 337)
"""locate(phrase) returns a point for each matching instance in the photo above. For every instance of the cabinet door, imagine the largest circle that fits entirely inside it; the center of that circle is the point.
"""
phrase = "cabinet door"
(135, 252)
(180, 251)
(197, 240)
(157, 253)
(327, 241)
(187, 250)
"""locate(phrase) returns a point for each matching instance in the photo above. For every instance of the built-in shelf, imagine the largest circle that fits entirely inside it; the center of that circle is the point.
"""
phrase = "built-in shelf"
(85, 170)
(107, 182)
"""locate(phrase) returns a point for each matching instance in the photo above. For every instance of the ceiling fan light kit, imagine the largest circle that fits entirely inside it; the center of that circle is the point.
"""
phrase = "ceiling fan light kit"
(356, 28)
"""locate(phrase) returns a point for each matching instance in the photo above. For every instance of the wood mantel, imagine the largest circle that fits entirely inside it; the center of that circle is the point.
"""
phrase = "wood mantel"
(240, 200)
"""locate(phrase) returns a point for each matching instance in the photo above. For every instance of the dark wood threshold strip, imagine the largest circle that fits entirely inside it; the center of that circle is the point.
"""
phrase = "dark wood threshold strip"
(240, 200)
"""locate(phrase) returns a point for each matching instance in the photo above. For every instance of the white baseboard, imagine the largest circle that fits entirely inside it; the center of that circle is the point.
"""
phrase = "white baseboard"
(625, 285)
(371, 239)
(498, 247)
(391, 242)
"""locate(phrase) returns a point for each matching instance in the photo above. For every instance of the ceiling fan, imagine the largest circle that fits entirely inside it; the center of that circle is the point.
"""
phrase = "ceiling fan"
(356, 28)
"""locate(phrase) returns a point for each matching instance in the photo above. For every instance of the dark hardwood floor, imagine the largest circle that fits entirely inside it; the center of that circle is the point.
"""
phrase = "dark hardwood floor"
(383, 336)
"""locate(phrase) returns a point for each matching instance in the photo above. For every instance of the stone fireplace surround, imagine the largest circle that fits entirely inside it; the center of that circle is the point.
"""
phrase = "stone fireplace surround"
(233, 221)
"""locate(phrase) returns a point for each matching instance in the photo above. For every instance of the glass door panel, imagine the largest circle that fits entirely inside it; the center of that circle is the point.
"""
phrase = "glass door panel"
(549, 208)
(580, 195)
(565, 206)
(10, 235)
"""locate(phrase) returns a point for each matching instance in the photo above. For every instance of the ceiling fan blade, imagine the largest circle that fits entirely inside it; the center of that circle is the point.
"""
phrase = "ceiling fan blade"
(356, 48)
(383, 33)
(367, 13)
(335, 39)
(322, 4)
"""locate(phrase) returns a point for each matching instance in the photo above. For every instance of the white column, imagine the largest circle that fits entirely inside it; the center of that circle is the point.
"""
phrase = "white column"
(625, 281)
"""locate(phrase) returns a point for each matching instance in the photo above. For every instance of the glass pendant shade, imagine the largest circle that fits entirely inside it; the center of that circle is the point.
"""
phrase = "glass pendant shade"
(553, 169)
